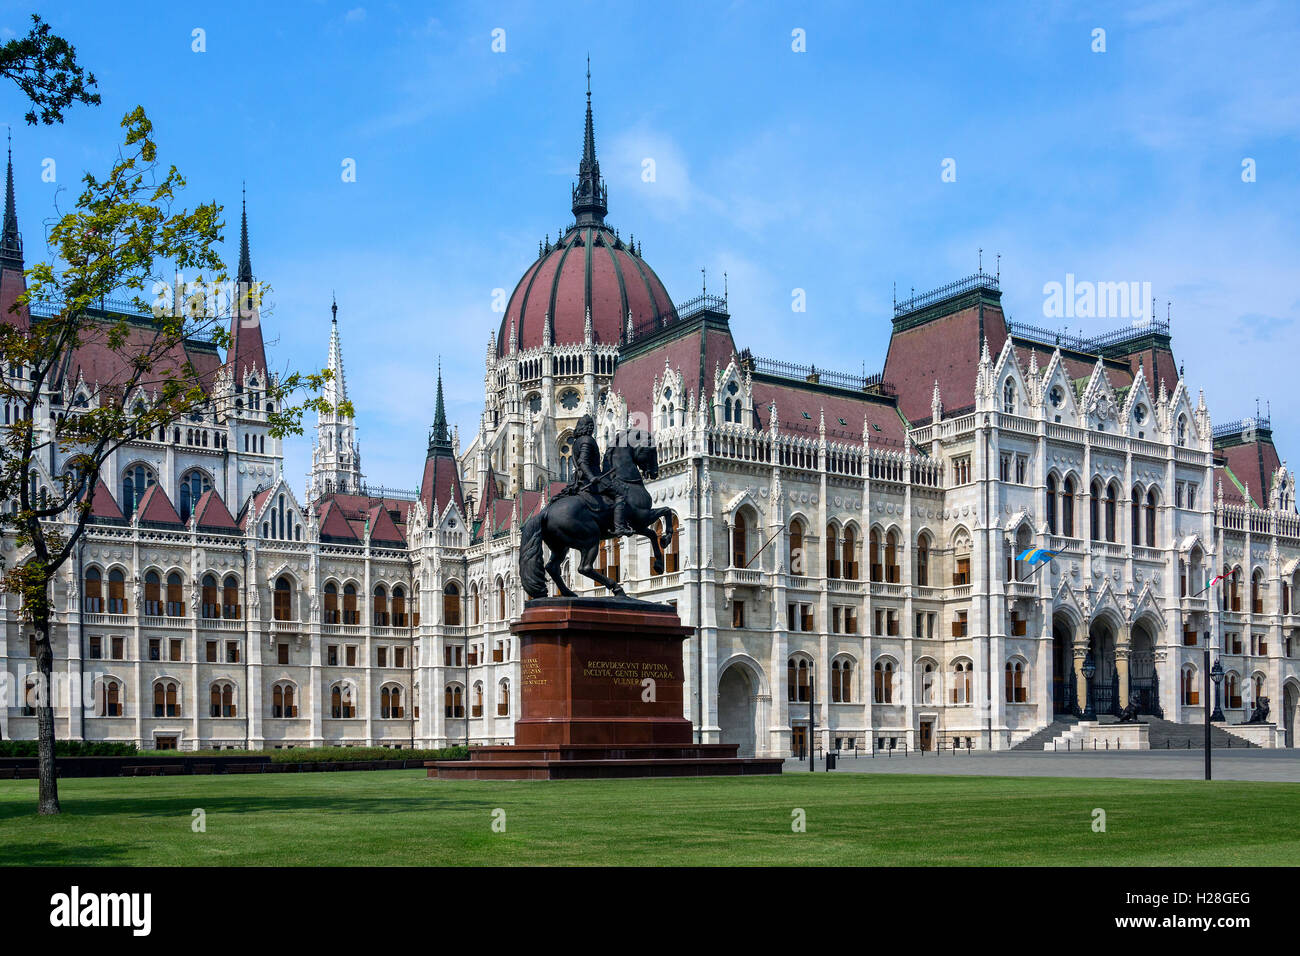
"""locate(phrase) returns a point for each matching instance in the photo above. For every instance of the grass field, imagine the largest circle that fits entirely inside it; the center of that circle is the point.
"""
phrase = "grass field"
(400, 818)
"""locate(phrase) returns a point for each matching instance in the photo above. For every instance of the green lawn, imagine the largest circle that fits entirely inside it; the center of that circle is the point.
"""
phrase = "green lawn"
(400, 818)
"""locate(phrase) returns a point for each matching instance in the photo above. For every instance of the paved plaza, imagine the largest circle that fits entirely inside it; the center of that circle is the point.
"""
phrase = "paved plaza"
(1276, 765)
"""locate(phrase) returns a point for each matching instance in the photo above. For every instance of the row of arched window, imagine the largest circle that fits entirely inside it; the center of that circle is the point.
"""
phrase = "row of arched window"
(453, 698)
(1060, 509)
(885, 677)
(223, 699)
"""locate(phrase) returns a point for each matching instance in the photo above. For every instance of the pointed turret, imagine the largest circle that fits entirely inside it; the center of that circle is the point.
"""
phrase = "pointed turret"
(590, 197)
(336, 389)
(247, 352)
(336, 453)
(11, 244)
(439, 435)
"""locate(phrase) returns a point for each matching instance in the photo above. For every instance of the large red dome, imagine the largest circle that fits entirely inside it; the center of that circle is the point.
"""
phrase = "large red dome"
(588, 268)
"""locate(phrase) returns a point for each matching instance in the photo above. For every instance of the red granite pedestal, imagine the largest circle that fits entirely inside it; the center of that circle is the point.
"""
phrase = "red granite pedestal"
(601, 695)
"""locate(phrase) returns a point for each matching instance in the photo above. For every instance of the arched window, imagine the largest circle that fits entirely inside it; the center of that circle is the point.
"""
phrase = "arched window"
(925, 690)
(94, 591)
(453, 701)
(1009, 396)
(283, 599)
(399, 606)
(282, 700)
(350, 604)
(331, 609)
(1257, 592)
(503, 698)
(1067, 507)
(1015, 682)
(230, 598)
(112, 698)
(136, 480)
(961, 685)
(566, 458)
(1151, 518)
(841, 682)
(475, 605)
(923, 560)
(1189, 689)
(166, 699)
(379, 611)
(501, 599)
(175, 596)
(341, 703)
(152, 594)
(796, 560)
(1236, 589)
(1136, 529)
(1094, 512)
(892, 573)
(672, 553)
(451, 604)
(1112, 509)
(390, 703)
(883, 682)
(193, 484)
(833, 566)
(476, 706)
(116, 591)
(1051, 504)
(797, 679)
(210, 605)
(222, 702)
(739, 544)
(1232, 690)
(1182, 430)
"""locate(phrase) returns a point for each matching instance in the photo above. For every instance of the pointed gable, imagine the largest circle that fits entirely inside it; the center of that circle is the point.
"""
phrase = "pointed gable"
(102, 505)
(156, 508)
(334, 526)
(211, 513)
(382, 528)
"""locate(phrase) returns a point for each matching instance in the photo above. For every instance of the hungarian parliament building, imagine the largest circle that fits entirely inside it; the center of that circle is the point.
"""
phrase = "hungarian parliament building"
(847, 552)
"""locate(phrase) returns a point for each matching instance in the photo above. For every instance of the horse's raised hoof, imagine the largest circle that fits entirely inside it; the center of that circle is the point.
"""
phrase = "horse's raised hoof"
(620, 592)
(665, 540)
(657, 566)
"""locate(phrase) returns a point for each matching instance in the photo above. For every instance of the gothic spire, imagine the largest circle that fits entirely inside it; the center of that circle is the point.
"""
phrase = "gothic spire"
(245, 276)
(336, 389)
(439, 436)
(11, 245)
(589, 194)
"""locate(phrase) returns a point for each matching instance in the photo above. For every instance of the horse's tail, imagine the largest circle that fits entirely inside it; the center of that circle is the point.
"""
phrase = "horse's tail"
(531, 568)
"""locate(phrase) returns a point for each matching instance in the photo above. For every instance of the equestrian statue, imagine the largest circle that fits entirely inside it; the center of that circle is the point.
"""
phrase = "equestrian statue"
(606, 498)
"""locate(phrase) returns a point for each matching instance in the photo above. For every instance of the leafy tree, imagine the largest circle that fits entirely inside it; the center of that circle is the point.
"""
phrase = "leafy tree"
(45, 68)
(117, 240)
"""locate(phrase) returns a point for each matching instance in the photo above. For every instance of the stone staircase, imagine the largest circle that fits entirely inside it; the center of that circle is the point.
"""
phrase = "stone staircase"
(1065, 734)
(1167, 735)
(1042, 739)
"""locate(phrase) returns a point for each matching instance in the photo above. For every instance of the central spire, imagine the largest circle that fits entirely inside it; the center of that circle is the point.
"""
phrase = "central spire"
(439, 436)
(11, 244)
(589, 194)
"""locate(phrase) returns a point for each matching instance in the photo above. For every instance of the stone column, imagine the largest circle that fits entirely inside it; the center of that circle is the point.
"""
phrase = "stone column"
(1080, 652)
(1122, 649)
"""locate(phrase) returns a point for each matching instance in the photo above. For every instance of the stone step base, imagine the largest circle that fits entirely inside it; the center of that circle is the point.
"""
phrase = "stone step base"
(501, 768)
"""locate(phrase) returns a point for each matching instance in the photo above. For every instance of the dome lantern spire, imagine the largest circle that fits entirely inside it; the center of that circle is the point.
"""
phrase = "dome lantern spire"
(590, 196)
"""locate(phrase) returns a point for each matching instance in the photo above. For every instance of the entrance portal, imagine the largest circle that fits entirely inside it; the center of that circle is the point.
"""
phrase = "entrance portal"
(737, 710)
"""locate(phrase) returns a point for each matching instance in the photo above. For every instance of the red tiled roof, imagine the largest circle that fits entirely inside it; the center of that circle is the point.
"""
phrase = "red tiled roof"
(382, 528)
(102, 504)
(440, 485)
(333, 525)
(946, 350)
(1253, 463)
(156, 507)
(794, 402)
(212, 514)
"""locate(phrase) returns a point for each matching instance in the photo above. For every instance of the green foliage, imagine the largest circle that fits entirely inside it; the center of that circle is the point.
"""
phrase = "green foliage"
(358, 754)
(45, 68)
(69, 748)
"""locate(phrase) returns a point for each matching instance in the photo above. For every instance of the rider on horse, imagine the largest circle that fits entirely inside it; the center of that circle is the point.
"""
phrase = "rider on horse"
(590, 482)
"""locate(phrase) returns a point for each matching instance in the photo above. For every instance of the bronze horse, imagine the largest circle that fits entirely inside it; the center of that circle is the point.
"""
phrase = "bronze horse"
(582, 521)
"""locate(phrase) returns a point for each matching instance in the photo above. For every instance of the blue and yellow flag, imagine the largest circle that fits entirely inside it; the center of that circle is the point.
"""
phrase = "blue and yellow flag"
(1037, 556)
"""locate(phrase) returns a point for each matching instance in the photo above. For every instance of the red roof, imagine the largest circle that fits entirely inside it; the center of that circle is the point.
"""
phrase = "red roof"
(102, 504)
(799, 409)
(589, 267)
(382, 528)
(1252, 463)
(333, 525)
(440, 484)
(945, 349)
(156, 508)
(13, 284)
(212, 514)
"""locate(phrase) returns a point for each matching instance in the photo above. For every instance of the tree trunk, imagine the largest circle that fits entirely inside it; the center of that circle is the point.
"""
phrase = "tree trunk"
(49, 784)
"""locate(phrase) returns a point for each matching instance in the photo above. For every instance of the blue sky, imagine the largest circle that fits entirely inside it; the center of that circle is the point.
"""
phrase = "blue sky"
(818, 170)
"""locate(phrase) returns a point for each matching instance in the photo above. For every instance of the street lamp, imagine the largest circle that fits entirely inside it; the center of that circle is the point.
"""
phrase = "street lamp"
(1089, 671)
(1216, 674)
